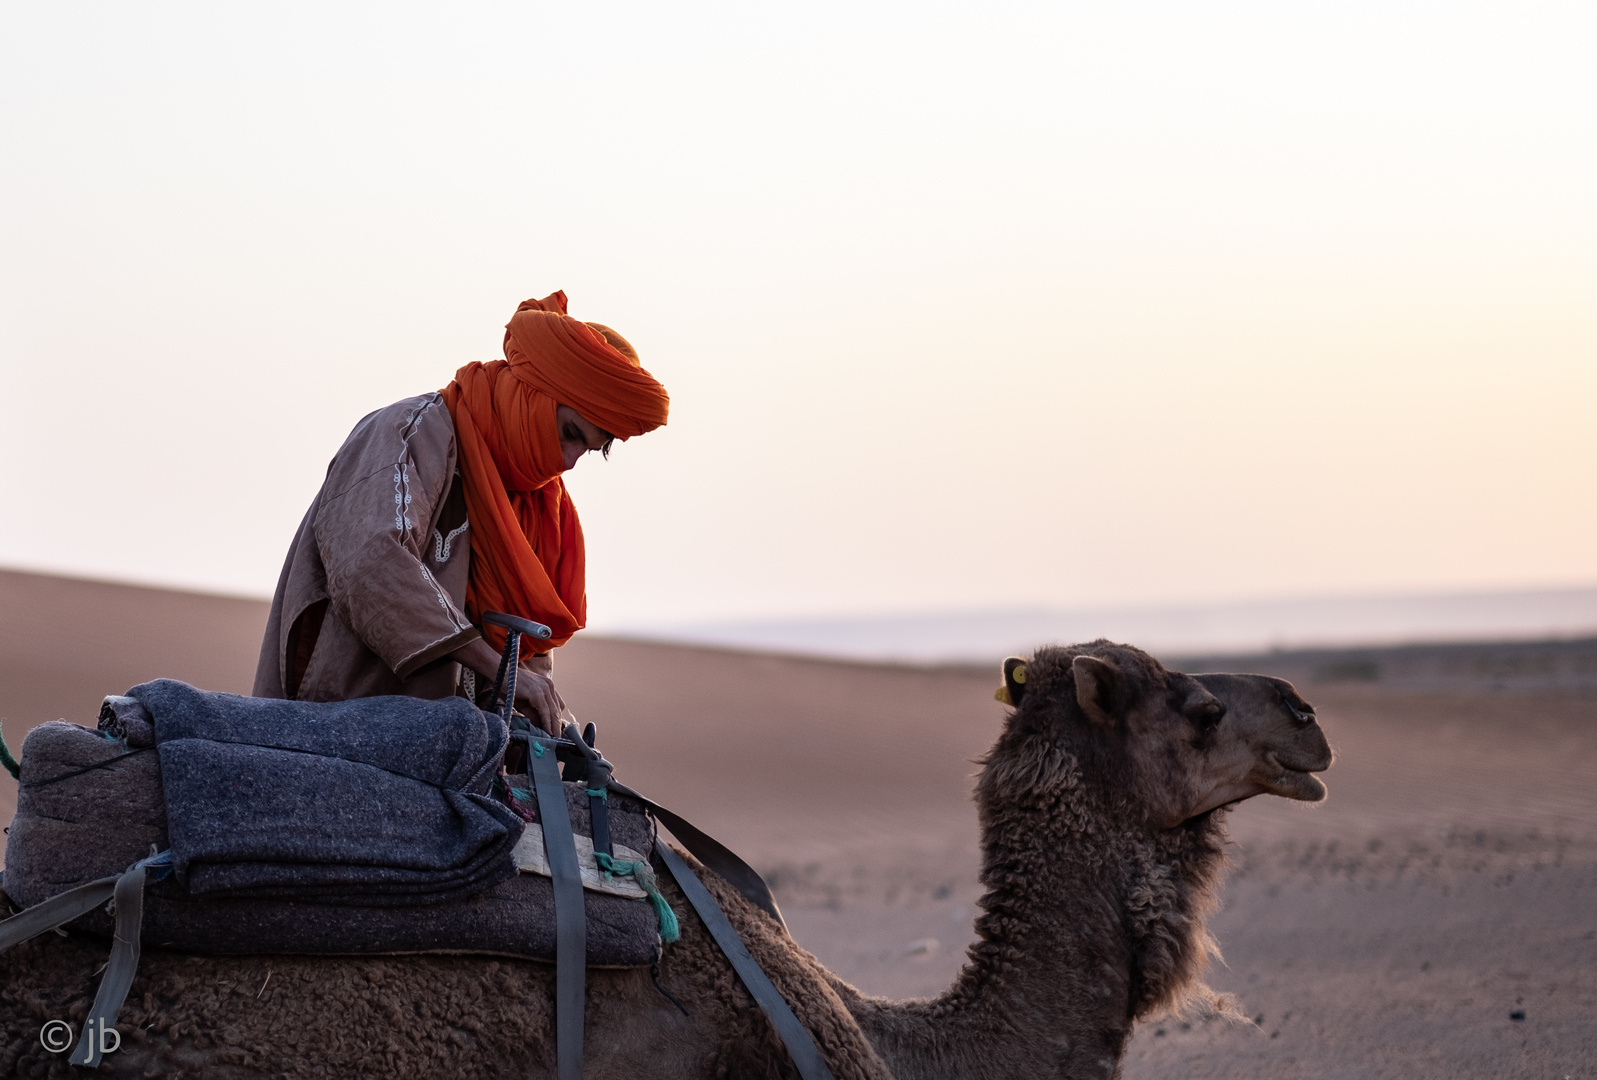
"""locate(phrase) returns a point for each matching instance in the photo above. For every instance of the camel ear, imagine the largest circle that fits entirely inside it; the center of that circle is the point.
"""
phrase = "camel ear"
(1014, 687)
(1096, 682)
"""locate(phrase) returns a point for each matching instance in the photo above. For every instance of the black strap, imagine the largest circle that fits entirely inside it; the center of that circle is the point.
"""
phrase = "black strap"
(119, 971)
(599, 808)
(592, 771)
(571, 933)
(800, 1046)
(713, 854)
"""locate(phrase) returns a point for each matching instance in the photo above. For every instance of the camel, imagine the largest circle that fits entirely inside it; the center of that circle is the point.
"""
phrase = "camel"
(1102, 807)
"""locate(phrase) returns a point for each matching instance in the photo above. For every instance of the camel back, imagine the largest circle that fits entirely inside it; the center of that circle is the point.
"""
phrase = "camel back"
(378, 825)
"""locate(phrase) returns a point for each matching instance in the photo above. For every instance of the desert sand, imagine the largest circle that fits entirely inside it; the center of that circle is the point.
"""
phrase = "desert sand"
(1436, 917)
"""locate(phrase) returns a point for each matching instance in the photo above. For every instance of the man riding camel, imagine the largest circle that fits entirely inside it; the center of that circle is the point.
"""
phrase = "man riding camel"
(448, 505)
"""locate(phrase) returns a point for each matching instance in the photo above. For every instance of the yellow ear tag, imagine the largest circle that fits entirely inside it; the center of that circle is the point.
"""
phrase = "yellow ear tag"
(1001, 695)
(1019, 674)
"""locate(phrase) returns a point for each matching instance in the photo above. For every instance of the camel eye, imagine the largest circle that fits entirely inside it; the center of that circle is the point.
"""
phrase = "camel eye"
(1208, 717)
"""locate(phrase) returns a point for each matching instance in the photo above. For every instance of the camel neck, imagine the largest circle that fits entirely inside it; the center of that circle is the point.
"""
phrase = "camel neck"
(1048, 989)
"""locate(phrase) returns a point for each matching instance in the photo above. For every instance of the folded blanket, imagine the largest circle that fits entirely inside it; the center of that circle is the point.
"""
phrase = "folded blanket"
(375, 801)
(90, 805)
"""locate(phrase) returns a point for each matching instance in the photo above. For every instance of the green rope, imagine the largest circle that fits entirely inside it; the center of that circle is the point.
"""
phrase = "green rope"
(600, 793)
(641, 873)
(7, 760)
(500, 787)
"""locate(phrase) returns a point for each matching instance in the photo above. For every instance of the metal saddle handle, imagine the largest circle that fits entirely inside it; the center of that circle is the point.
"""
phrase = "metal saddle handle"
(506, 679)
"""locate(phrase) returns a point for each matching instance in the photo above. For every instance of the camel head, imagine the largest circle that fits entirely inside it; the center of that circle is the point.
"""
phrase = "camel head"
(1159, 744)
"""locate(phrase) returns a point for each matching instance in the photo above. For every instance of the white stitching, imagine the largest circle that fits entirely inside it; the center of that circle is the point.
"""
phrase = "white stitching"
(405, 660)
(405, 471)
(402, 495)
(402, 499)
(441, 543)
(443, 601)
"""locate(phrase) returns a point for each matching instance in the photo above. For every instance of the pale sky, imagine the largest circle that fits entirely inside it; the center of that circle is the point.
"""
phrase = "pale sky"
(958, 305)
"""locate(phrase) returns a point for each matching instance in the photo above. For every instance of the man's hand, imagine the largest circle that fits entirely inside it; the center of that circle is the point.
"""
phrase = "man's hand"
(536, 698)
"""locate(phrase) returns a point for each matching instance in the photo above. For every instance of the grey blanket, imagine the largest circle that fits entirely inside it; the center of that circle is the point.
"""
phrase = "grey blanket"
(90, 805)
(375, 801)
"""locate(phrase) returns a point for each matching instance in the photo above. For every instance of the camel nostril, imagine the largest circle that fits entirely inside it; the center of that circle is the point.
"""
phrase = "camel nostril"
(1304, 715)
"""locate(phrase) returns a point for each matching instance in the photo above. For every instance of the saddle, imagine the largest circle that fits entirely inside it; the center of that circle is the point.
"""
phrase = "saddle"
(392, 825)
(89, 806)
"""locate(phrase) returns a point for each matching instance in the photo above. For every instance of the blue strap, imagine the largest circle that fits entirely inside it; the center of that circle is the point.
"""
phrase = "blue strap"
(124, 962)
(56, 911)
(800, 1046)
(571, 932)
(128, 891)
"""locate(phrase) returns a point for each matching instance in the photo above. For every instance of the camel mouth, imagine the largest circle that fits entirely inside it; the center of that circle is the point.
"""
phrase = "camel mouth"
(1290, 782)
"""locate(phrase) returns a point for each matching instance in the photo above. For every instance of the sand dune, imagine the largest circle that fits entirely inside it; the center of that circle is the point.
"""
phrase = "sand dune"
(65, 643)
(1449, 882)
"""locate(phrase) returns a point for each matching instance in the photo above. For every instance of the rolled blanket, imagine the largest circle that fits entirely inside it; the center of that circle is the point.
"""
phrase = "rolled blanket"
(375, 801)
(124, 718)
(87, 808)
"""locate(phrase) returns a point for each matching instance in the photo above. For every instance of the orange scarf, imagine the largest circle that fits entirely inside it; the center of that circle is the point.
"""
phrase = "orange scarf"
(526, 542)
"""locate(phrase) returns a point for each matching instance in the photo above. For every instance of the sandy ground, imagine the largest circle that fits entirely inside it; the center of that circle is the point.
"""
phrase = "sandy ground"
(1447, 887)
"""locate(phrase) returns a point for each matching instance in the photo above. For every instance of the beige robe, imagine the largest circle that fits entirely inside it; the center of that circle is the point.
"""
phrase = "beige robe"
(372, 595)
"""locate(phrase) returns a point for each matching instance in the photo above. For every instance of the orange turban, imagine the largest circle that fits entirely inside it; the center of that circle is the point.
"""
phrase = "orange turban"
(526, 541)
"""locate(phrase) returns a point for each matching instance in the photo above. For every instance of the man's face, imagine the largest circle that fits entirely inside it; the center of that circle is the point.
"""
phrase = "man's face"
(577, 436)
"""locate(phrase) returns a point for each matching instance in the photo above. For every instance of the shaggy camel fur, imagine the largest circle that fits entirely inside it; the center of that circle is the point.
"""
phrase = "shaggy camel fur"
(1100, 806)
